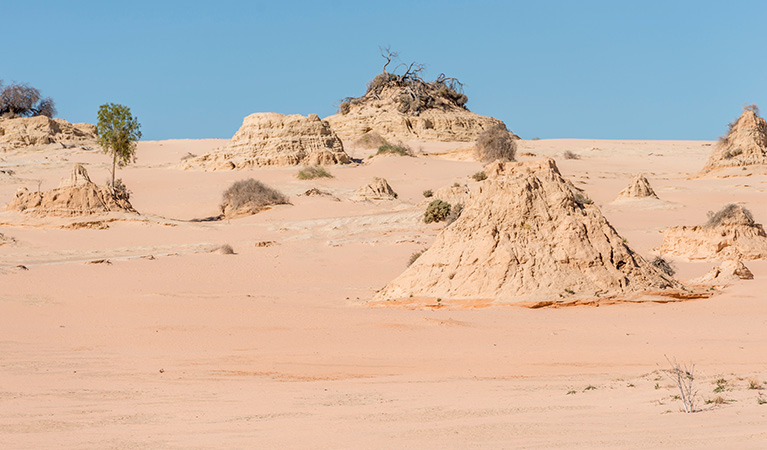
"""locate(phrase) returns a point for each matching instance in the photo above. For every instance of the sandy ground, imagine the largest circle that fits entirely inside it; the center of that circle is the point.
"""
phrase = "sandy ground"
(168, 345)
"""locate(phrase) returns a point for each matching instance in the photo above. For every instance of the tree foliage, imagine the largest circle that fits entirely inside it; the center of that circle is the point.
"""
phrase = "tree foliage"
(496, 143)
(22, 100)
(118, 133)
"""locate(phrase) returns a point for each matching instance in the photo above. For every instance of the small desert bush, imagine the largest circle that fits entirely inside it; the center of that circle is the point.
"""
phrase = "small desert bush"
(728, 214)
(121, 191)
(729, 154)
(479, 176)
(399, 149)
(428, 193)
(754, 383)
(664, 266)
(437, 211)
(496, 143)
(371, 140)
(344, 108)
(414, 256)
(455, 213)
(570, 155)
(253, 192)
(226, 249)
(189, 155)
(312, 172)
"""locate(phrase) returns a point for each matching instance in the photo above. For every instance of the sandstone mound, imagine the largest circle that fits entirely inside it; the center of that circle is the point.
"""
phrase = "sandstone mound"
(404, 107)
(744, 145)
(528, 236)
(378, 189)
(41, 131)
(452, 194)
(729, 234)
(639, 187)
(726, 273)
(76, 196)
(272, 139)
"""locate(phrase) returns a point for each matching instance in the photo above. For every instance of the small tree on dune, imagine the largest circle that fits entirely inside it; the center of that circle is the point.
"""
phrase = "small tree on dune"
(118, 133)
(22, 100)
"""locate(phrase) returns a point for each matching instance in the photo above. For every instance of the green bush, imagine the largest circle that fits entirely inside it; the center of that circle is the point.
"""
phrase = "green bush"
(428, 193)
(437, 211)
(400, 149)
(479, 176)
(312, 172)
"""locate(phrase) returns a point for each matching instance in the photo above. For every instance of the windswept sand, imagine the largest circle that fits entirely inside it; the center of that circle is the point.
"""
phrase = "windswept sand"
(167, 345)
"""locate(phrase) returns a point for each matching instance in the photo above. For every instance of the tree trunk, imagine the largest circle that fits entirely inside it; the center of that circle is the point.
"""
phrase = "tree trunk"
(114, 166)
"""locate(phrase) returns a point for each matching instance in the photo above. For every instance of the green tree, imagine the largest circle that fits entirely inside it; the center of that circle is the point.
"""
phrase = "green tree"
(118, 133)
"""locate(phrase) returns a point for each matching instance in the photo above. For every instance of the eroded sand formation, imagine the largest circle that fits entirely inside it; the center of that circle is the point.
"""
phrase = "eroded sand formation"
(638, 188)
(377, 189)
(41, 131)
(273, 139)
(726, 273)
(734, 236)
(75, 196)
(744, 145)
(528, 236)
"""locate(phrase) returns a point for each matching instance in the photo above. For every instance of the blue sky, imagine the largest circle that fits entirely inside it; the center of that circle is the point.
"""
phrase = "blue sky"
(549, 69)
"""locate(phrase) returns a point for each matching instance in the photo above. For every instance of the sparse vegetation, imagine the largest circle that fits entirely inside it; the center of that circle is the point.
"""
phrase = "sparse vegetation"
(400, 149)
(665, 266)
(730, 213)
(754, 383)
(684, 378)
(721, 385)
(118, 133)
(371, 140)
(455, 213)
(437, 211)
(496, 143)
(718, 400)
(428, 193)
(480, 176)
(590, 388)
(571, 155)
(729, 154)
(415, 256)
(251, 192)
(312, 172)
(22, 100)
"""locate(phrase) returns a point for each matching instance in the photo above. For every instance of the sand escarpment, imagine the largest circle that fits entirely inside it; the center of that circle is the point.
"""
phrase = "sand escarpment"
(76, 196)
(42, 131)
(527, 236)
(273, 139)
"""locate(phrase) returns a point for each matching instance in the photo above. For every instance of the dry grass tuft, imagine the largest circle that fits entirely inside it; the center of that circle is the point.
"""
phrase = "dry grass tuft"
(496, 143)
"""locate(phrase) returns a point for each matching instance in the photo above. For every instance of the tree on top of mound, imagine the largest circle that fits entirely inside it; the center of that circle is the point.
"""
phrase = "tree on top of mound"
(22, 100)
(411, 92)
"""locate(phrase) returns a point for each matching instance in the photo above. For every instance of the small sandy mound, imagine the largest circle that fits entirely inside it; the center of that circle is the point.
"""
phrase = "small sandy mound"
(638, 188)
(76, 196)
(272, 139)
(6, 240)
(729, 234)
(41, 131)
(452, 194)
(726, 273)
(527, 236)
(378, 189)
(744, 145)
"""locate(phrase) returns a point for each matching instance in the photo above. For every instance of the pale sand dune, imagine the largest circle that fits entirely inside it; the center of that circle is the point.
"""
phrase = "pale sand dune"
(276, 346)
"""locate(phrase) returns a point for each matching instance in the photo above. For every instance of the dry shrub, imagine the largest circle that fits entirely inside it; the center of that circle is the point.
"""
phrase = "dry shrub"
(22, 100)
(455, 213)
(371, 140)
(437, 211)
(496, 143)
(664, 266)
(225, 249)
(251, 192)
(428, 193)
(480, 176)
(312, 172)
(414, 256)
(570, 155)
(730, 214)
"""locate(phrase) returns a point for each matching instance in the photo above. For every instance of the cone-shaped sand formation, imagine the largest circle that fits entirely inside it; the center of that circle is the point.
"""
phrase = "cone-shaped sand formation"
(378, 189)
(389, 111)
(42, 131)
(272, 139)
(744, 145)
(726, 273)
(76, 196)
(639, 187)
(729, 234)
(527, 236)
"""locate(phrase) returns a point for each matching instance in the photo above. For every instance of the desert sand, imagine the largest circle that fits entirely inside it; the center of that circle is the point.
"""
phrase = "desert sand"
(131, 331)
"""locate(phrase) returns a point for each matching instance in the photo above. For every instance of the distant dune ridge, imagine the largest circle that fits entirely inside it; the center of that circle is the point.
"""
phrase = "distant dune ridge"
(76, 196)
(273, 139)
(732, 233)
(41, 131)
(744, 145)
(528, 236)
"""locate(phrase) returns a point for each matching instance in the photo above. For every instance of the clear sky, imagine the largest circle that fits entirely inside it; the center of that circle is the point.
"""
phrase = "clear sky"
(550, 69)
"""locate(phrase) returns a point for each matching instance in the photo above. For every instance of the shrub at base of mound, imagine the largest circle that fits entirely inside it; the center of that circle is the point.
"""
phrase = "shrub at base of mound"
(731, 233)
(272, 139)
(248, 197)
(41, 131)
(527, 236)
(77, 196)
(744, 145)
(378, 189)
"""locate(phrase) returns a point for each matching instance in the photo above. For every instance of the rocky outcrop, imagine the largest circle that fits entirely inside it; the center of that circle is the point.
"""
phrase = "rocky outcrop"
(726, 273)
(639, 187)
(453, 194)
(41, 131)
(744, 145)
(527, 236)
(76, 196)
(380, 113)
(272, 139)
(378, 189)
(730, 234)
